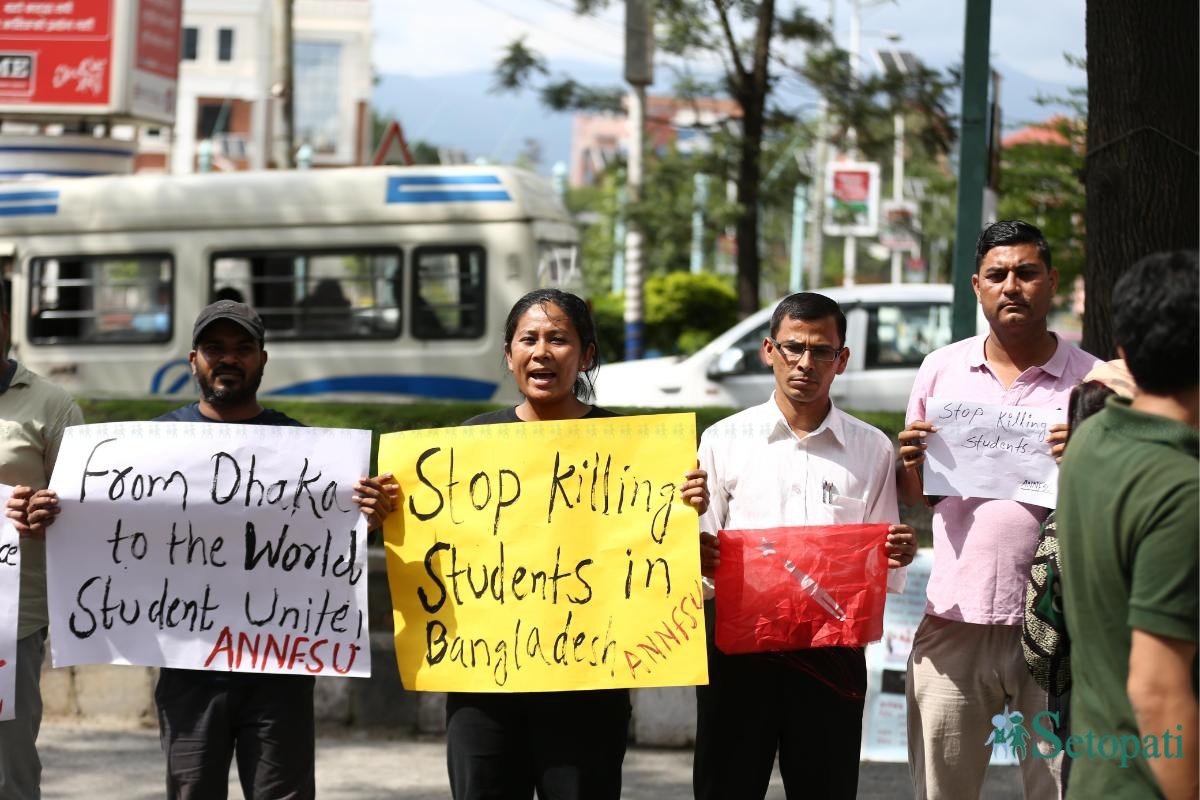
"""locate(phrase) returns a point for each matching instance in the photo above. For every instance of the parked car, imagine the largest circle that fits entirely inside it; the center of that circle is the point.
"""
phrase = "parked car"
(889, 330)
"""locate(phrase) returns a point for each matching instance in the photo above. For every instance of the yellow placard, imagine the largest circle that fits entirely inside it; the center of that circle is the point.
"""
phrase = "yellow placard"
(543, 556)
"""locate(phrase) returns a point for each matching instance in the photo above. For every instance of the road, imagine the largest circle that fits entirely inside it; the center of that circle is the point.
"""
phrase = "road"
(123, 763)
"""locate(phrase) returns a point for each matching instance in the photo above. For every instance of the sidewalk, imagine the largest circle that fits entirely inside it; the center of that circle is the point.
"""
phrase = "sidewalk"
(123, 763)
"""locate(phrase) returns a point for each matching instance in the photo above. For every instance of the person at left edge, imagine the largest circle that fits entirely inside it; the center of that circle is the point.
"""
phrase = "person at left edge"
(207, 718)
(35, 413)
(562, 745)
(794, 460)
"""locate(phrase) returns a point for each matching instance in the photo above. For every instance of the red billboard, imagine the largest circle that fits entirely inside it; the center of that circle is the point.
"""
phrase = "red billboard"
(157, 49)
(115, 58)
(155, 67)
(61, 52)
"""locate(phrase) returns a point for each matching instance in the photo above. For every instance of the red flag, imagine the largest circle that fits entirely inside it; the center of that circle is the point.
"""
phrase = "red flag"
(802, 587)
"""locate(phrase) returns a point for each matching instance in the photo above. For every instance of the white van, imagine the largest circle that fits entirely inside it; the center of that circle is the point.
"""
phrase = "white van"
(889, 330)
(372, 282)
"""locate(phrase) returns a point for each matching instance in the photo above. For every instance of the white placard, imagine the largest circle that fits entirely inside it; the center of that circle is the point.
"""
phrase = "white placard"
(983, 450)
(10, 594)
(209, 546)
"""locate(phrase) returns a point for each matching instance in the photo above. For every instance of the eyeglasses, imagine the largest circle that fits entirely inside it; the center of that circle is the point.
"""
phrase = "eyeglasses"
(794, 351)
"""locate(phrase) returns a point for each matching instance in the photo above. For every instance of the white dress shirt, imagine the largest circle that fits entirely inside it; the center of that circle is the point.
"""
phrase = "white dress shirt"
(761, 474)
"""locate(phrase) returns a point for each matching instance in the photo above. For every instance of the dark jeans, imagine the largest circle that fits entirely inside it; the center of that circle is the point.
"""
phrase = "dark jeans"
(807, 705)
(566, 745)
(205, 719)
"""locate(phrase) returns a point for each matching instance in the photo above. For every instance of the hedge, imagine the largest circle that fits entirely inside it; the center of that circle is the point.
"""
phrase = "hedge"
(387, 417)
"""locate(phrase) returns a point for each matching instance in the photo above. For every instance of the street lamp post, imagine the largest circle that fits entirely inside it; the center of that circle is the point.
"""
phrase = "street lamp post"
(639, 73)
(903, 63)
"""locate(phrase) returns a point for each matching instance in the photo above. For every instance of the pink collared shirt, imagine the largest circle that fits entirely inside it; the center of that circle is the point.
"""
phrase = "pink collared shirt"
(982, 549)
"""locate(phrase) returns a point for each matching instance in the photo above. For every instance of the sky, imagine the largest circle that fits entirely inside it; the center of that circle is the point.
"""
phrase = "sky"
(454, 36)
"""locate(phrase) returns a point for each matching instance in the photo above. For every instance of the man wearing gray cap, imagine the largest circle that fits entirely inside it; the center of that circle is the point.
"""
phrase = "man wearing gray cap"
(206, 718)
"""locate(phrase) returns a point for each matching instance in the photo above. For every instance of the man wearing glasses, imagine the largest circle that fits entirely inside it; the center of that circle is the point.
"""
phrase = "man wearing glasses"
(794, 460)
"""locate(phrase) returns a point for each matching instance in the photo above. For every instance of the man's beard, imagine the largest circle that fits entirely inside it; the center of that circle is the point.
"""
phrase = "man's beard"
(226, 398)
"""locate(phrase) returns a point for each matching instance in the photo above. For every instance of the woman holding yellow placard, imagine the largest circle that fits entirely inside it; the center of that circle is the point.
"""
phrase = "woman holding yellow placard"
(564, 745)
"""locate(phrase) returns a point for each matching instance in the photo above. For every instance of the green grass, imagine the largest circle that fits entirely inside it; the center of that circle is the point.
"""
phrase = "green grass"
(388, 417)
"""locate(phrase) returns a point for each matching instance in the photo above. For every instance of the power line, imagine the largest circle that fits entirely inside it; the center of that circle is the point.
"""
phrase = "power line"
(576, 12)
(586, 45)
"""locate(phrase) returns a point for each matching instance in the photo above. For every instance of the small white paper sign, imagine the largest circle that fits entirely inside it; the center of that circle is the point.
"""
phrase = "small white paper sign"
(210, 546)
(10, 594)
(983, 450)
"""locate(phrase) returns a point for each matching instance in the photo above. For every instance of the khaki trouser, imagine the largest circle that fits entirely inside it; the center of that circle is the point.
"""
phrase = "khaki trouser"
(960, 675)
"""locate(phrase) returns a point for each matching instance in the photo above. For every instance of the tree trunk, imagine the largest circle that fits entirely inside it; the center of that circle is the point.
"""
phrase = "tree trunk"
(753, 99)
(1142, 171)
(749, 174)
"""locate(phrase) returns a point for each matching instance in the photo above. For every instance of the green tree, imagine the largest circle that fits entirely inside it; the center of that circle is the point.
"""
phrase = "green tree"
(683, 313)
(748, 38)
(1041, 181)
(692, 29)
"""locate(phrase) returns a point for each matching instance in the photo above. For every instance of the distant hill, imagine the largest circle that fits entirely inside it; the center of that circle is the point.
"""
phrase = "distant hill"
(459, 111)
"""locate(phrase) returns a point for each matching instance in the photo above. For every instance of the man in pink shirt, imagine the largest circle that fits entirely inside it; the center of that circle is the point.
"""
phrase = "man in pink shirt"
(966, 665)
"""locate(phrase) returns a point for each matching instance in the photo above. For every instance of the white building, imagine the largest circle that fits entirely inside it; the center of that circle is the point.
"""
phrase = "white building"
(229, 84)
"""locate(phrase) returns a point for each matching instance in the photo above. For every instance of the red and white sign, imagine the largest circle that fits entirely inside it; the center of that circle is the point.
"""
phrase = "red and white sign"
(115, 58)
(852, 205)
(155, 59)
(901, 226)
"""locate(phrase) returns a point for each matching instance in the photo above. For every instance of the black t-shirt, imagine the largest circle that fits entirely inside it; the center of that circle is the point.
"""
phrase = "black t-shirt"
(563, 699)
(510, 415)
(269, 416)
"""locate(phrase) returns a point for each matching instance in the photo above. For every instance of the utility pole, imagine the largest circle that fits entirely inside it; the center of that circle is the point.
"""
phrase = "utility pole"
(972, 162)
(816, 241)
(899, 63)
(283, 88)
(850, 251)
(639, 73)
(699, 201)
(897, 182)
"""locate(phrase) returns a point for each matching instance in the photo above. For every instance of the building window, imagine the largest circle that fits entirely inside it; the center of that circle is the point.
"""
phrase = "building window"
(225, 44)
(212, 118)
(101, 299)
(314, 294)
(448, 293)
(318, 67)
(191, 43)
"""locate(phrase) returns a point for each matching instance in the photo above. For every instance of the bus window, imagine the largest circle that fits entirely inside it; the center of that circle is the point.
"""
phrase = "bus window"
(101, 299)
(448, 293)
(314, 294)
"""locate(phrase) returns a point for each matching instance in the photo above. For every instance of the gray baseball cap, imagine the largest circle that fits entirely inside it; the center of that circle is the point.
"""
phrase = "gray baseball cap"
(233, 311)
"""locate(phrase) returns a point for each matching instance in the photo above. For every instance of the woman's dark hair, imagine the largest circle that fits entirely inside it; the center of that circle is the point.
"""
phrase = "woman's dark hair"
(577, 311)
(1086, 399)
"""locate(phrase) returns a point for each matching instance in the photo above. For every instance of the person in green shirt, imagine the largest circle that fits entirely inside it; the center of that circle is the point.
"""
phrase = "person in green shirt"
(1128, 515)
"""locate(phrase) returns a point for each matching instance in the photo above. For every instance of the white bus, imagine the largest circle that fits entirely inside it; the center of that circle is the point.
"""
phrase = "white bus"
(371, 282)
